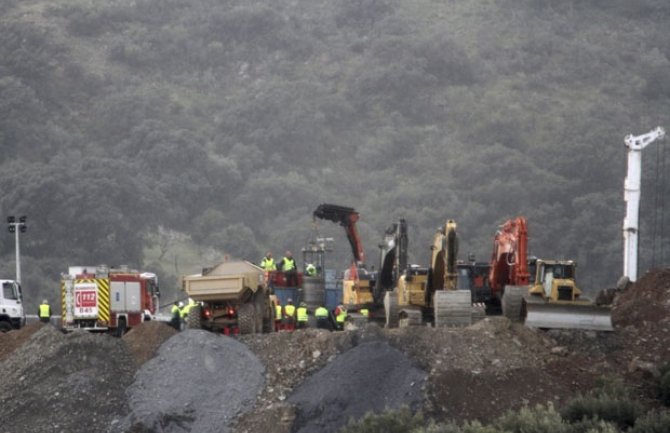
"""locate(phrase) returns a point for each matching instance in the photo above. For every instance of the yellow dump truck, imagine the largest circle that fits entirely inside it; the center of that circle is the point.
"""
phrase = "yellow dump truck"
(232, 298)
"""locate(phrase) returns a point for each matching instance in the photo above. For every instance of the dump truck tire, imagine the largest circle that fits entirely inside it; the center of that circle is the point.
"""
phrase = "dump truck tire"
(246, 318)
(193, 318)
(260, 306)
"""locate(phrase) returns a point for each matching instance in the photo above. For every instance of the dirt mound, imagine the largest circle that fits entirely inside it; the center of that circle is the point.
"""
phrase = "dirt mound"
(647, 300)
(198, 381)
(10, 341)
(57, 382)
(144, 339)
(372, 376)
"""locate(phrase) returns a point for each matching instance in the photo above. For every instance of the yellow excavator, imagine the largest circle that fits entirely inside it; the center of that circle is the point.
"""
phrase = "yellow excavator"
(424, 295)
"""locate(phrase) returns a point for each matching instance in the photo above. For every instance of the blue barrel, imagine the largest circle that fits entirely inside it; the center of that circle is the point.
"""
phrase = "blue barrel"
(333, 297)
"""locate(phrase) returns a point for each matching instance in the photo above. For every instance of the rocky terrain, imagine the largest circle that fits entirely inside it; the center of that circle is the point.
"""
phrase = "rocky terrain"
(157, 380)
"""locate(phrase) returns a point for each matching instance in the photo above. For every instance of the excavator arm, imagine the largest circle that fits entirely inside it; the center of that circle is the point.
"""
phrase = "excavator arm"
(509, 260)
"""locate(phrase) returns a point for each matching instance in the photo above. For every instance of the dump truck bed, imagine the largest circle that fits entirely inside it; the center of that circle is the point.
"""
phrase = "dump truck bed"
(225, 282)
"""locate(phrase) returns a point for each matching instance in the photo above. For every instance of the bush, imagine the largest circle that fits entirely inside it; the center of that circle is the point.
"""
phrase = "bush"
(397, 421)
(537, 420)
(611, 402)
(652, 422)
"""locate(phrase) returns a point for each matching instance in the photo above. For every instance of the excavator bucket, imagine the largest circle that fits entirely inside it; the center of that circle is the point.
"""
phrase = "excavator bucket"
(568, 316)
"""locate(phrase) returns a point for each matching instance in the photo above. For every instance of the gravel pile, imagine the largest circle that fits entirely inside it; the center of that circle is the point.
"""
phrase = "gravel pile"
(198, 382)
(372, 376)
(64, 383)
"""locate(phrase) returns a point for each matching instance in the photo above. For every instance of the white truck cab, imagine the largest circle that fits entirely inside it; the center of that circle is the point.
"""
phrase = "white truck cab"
(12, 315)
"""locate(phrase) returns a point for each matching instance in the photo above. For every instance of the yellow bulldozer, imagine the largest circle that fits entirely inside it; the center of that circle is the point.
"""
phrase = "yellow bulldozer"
(553, 300)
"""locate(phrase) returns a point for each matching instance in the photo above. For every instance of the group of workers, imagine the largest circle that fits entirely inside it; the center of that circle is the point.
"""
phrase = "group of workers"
(289, 318)
(179, 313)
(288, 266)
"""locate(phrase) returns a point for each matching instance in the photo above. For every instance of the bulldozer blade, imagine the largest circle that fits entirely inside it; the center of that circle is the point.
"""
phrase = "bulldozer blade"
(568, 316)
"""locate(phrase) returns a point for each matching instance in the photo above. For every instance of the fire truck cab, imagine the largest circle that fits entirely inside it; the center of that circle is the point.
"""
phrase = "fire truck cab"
(106, 299)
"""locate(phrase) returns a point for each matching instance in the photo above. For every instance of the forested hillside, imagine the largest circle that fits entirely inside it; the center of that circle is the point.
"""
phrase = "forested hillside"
(164, 134)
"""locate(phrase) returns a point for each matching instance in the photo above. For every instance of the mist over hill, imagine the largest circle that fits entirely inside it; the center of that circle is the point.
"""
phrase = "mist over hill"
(165, 134)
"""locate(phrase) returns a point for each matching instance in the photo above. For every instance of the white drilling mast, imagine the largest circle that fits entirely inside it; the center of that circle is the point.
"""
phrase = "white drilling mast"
(631, 196)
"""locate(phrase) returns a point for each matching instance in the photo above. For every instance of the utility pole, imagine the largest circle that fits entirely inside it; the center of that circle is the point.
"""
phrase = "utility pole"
(635, 144)
(13, 225)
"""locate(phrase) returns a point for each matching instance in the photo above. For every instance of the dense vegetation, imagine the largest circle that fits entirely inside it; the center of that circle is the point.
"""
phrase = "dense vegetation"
(166, 133)
(606, 409)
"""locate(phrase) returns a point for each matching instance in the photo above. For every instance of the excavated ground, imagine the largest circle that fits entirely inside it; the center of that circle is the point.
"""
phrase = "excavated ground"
(157, 380)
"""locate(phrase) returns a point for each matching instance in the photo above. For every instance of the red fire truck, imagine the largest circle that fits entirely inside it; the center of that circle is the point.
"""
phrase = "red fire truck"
(101, 299)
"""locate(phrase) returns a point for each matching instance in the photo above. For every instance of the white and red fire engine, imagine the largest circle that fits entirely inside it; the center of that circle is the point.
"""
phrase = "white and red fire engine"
(99, 298)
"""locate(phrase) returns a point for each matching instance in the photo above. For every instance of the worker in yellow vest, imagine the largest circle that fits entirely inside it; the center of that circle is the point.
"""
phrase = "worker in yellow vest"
(289, 315)
(45, 312)
(321, 315)
(340, 317)
(365, 312)
(288, 266)
(278, 316)
(268, 263)
(302, 316)
(175, 311)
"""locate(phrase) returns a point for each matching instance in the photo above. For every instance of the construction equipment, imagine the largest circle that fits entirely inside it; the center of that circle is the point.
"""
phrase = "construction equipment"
(98, 298)
(232, 298)
(509, 265)
(358, 284)
(474, 276)
(12, 315)
(552, 300)
(430, 294)
(635, 144)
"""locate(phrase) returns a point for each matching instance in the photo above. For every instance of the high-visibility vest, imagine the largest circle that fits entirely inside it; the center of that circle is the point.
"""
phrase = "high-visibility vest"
(365, 312)
(184, 311)
(290, 310)
(302, 314)
(321, 313)
(287, 264)
(342, 316)
(268, 264)
(310, 270)
(45, 311)
(278, 312)
(175, 311)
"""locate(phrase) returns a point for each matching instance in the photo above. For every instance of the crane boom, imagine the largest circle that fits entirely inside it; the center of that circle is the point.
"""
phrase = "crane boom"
(346, 217)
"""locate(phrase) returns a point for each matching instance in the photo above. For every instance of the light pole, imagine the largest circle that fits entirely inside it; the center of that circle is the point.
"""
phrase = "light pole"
(13, 225)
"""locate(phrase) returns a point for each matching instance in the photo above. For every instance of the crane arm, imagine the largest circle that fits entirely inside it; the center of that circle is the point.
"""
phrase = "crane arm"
(347, 218)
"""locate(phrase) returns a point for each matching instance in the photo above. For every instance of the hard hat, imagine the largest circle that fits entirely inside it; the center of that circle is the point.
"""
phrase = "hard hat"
(289, 300)
(181, 304)
(45, 301)
(303, 304)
